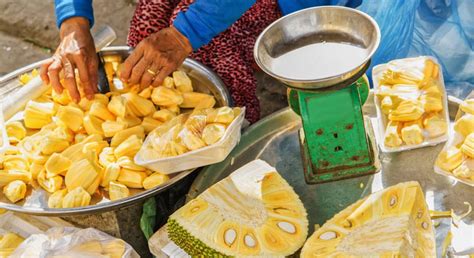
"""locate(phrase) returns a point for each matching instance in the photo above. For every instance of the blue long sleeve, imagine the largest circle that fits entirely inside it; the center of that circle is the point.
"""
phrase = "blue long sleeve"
(73, 8)
(205, 19)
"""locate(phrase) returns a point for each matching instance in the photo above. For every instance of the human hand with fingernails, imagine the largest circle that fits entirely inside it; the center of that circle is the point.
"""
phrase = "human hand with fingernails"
(76, 51)
(155, 57)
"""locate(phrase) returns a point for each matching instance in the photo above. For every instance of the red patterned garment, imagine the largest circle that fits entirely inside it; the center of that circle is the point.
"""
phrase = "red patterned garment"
(230, 54)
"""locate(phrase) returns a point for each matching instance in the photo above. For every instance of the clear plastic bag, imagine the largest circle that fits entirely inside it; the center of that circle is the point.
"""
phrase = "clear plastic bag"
(464, 171)
(196, 153)
(439, 28)
(73, 242)
(414, 67)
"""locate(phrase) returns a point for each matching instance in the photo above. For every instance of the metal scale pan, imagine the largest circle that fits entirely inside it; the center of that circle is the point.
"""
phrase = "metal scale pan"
(204, 80)
(275, 140)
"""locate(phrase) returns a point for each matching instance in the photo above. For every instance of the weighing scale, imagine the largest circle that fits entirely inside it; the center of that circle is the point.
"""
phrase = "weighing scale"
(336, 142)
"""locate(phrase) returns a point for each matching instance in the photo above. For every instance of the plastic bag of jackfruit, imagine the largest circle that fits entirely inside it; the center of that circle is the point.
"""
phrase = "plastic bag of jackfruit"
(456, 160)
(411, 104)
(203, 137)
(73, 242)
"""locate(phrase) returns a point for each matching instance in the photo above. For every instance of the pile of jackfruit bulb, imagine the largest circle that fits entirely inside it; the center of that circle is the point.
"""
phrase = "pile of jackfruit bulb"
(8, 243)
(459, 157)
(75, 151)
(412, 103)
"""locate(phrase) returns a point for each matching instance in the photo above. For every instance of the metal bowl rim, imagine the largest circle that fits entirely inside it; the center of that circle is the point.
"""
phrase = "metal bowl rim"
(322, 80)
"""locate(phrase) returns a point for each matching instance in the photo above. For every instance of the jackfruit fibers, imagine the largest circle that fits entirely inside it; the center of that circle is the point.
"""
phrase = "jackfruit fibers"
(253, 212)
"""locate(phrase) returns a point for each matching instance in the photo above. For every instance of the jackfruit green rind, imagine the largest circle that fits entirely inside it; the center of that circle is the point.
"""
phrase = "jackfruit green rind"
(191, 245)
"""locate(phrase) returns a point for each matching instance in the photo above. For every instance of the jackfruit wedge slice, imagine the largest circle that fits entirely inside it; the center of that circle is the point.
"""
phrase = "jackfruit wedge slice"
(394, 222)
(252, 212)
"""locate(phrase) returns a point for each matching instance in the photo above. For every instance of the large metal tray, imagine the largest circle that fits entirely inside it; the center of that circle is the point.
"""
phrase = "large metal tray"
(275, 140)
(204, 80)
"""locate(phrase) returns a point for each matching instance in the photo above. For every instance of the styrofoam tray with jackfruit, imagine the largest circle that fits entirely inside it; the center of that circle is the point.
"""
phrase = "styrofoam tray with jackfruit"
(456, 160)
(411, 103)
(193, 142)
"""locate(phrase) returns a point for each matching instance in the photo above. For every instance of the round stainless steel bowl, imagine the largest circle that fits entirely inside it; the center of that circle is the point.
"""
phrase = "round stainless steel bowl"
(315, 25)
(204, 80)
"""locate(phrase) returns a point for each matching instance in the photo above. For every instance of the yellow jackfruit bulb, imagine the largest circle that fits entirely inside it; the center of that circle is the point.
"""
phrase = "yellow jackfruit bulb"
(195, 124)
(15, 131)
(163, 115)
(100, 110)
(146, 93)
(465, 125)
(61, 98)
(93, 125)
(129, 147)
(431, 104)
(412, 134)
(114, 248)
(222, 115)
(192, 141)
(449, 159)
(77, 197)
(465, 170)
(118, 106)
(212, 133)
(53, 144)
(118, 191)
(107, 156)
(55, 200)
(163, 96)
(85, 104)
(71, 117)
(38, 114)
(121, 136)
(173, 108)
(131, 178)
(154, 180)
(74, 152)
(392, 135)
(432, 90)
(385, 224)
(10, 241)
(129, 120)
(138, 105)
(57, 164)
(82, 173)
(95, 147)
(168, 149)
(149, 124)
(15, 162)
(226, 230)
(35, 169)
(64, 133)
(468, 146)
(12, 175)
(386, 105)
(168, 82)
(111, 173)
(127, 162)
(467, 106)
(182, 82)
(407, 110)
(110, 128)
(195, 99)
(15, 191)
(435, 125)
(51, 184)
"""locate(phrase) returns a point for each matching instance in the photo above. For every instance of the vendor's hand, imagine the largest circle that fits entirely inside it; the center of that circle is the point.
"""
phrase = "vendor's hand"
(155, 57)
(76, 50)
